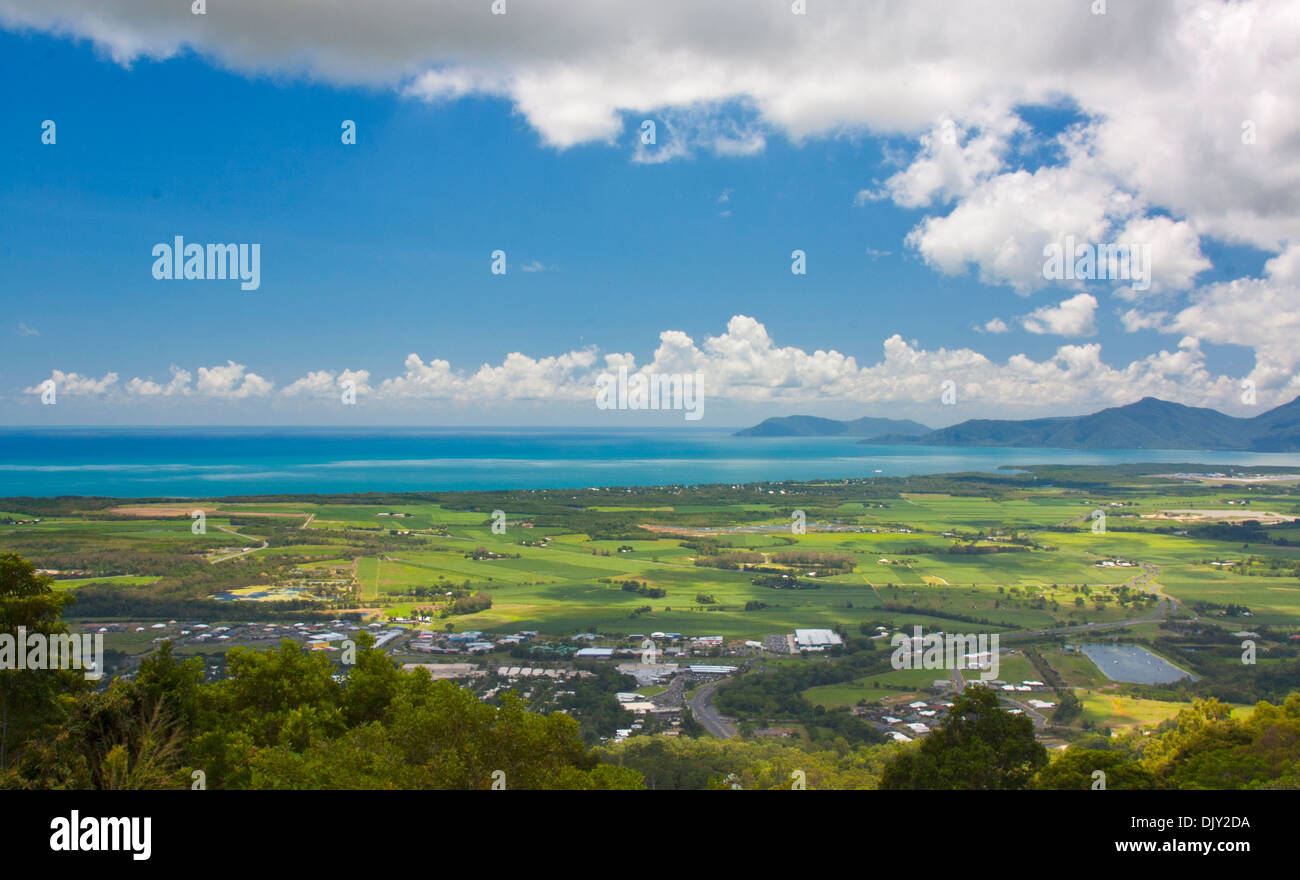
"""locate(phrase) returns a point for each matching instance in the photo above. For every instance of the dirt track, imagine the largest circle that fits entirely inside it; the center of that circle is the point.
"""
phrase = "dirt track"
(1266, 517)
(147, 510)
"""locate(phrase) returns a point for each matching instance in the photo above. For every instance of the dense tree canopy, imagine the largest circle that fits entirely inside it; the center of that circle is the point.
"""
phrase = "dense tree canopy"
(281, 720)
(29, 698)
(980, 746)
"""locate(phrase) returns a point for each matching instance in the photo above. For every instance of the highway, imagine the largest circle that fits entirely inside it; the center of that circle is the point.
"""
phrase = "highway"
(702, 710)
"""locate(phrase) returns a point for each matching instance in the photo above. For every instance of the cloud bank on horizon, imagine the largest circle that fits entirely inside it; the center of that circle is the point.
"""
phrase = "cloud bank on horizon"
(1188, 133)
(742, 363)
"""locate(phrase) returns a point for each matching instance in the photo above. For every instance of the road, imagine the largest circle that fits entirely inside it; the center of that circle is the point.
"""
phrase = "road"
(702, 710)
(674, 697)
(1036, 718)
(244, 552)
(1149, 571)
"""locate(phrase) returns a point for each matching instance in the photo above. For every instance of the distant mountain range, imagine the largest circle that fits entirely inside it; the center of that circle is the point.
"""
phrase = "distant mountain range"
(1148, 424)
(812, 426)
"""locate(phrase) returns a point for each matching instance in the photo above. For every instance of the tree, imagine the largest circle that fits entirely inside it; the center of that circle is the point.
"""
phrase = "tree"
(1207, 748)
(691, 727)
(133, 735)
(978, 747)
(770, 764)
(29, 698)
(1073, 771)
(282, 721)
(373, 682)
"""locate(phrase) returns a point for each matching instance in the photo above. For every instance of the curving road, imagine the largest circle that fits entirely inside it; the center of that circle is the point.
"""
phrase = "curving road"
(1149, 571)
(702, 711)
(244, 552)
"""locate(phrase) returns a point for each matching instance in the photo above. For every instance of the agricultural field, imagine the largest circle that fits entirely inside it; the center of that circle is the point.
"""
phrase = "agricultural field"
(1034, 558)
(1024, 556)
(1122, 713)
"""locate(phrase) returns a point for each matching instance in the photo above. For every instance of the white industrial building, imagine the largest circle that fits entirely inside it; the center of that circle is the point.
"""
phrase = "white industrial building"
(816, 639)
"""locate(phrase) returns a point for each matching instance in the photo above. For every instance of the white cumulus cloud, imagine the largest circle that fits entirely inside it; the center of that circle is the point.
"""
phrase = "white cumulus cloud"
(1071, 317)
(231, 381)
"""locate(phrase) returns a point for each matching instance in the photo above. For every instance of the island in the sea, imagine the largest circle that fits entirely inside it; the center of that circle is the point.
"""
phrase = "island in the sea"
(813, 426)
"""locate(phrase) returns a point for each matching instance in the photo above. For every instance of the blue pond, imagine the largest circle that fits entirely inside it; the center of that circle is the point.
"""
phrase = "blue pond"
(1129, 663)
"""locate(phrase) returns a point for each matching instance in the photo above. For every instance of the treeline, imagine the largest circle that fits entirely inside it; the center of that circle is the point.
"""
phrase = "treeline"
(707, 546)
(480, 601)
(820, 560)
(71, 554)
(1238, 683)
(731, 560)
(784, 582)
(901, 608)
(1245, 532)
(64, 505)
(1232, 609)
(643, 589)
(282, 721)
(960, 549)
(972, 549)
(686, 764)
(1265, 566)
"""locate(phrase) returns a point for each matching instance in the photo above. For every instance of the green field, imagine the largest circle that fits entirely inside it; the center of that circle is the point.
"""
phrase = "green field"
(1122, 713)
(1009, 555)
(1029, 557)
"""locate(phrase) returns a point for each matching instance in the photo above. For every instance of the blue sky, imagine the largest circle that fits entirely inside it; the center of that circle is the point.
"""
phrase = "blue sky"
(374, 251)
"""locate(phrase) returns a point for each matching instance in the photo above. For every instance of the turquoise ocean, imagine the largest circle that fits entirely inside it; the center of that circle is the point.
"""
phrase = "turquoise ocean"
(207, 462)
